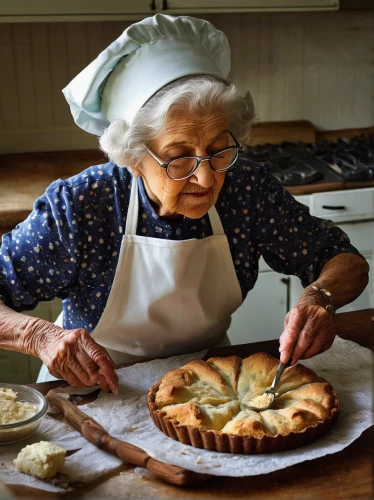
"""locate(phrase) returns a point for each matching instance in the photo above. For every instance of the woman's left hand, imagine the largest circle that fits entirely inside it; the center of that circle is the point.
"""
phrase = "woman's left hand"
(309, 329)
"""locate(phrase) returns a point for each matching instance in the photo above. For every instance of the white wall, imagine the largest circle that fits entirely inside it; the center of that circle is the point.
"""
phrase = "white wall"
(313, 66)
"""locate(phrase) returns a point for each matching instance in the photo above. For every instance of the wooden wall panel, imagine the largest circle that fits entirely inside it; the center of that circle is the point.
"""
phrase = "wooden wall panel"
(41, 61)
(298, 66)
(9, 108)
(59, 73)
(317, 67)
(25, 81)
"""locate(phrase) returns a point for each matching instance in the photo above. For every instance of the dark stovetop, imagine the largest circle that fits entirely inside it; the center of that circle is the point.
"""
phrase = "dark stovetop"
(295, 164)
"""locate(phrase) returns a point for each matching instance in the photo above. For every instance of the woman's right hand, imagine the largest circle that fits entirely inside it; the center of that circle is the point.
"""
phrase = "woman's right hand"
(72, 355)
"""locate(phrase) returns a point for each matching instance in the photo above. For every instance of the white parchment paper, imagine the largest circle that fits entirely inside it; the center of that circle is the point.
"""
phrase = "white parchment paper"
(347, 366)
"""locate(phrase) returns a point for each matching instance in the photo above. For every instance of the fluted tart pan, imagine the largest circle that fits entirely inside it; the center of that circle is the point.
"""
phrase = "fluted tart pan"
(202, 405)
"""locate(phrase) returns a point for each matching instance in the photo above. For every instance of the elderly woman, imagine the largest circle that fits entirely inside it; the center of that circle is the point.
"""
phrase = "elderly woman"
(153, 251)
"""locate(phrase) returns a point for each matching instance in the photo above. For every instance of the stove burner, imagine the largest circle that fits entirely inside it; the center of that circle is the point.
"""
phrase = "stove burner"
(300, 163)
(284, 163)
(352, 159)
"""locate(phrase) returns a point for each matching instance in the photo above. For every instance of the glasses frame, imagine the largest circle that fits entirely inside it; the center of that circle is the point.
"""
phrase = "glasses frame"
(239, 149)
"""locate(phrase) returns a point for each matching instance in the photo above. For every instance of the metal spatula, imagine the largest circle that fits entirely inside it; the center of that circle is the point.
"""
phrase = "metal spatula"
(265, 401)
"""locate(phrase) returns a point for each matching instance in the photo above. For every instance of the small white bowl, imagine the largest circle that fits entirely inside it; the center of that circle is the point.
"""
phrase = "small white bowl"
(12, 433)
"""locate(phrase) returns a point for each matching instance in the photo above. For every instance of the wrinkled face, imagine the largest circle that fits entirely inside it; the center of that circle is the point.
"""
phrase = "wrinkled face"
(186, 134)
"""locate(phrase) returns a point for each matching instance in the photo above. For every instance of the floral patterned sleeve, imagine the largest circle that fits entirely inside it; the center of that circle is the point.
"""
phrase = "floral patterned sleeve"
(39, 258)
(291, 240)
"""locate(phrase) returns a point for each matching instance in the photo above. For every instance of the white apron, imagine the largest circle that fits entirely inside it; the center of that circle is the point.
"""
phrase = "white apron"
(168, 297)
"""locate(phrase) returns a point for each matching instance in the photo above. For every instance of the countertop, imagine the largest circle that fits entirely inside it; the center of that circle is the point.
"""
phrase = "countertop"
(24, 177)
(346, 475)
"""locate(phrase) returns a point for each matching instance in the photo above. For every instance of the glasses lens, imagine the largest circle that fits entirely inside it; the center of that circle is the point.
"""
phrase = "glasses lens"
(224, 159)
(182, 167)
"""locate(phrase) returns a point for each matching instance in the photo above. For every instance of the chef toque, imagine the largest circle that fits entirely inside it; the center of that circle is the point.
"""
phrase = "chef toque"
(146, 57)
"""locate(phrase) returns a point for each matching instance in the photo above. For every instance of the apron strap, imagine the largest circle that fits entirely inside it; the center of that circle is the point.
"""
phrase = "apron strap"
(133, 210)
(215, 221)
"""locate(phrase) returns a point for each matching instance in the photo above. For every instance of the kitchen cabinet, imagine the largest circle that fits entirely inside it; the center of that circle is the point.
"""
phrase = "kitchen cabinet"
(353, 211)
(75, 10)
(263, 311)
(261, 315)
(91, 10)
(361, 235)
(18, 368)
(187, 6)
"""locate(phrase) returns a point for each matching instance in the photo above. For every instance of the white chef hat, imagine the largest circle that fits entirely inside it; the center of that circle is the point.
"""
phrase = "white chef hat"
(146, 57)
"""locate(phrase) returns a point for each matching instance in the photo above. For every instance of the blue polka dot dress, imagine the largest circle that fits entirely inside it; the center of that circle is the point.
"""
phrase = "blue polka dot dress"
(69, 245)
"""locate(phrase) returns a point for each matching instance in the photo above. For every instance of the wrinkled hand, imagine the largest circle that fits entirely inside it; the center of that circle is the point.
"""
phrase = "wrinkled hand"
(74, 356)
(309, 329)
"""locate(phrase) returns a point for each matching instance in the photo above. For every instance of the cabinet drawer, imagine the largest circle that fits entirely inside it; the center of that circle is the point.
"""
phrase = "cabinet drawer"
(343, 205)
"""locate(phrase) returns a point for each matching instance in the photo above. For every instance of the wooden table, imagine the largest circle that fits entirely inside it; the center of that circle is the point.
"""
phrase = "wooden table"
(348, 474)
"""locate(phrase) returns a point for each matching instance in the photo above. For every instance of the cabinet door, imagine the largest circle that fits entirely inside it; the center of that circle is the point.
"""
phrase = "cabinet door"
(364, 301)
(249, 5)
(361, 235)
(73, 7)
(15, 367)
(261, 315)
(19, 368)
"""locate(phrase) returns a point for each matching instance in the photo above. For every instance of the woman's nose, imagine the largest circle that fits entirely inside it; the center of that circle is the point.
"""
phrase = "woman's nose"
(203, 175)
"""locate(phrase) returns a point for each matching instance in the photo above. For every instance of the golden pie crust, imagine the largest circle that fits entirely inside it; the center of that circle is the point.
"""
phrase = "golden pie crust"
(201, 404)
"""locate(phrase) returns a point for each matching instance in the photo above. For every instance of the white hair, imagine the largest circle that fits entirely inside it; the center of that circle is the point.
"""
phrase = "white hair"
(197, 94)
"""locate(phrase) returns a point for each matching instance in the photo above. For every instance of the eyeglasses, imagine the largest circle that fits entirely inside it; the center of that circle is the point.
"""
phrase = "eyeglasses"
(183, 167)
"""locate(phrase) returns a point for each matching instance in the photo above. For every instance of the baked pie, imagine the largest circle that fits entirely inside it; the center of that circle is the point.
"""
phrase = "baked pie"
(204, 404)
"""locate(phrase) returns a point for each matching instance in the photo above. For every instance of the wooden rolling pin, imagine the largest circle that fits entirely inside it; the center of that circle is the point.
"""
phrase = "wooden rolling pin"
(98, 436)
